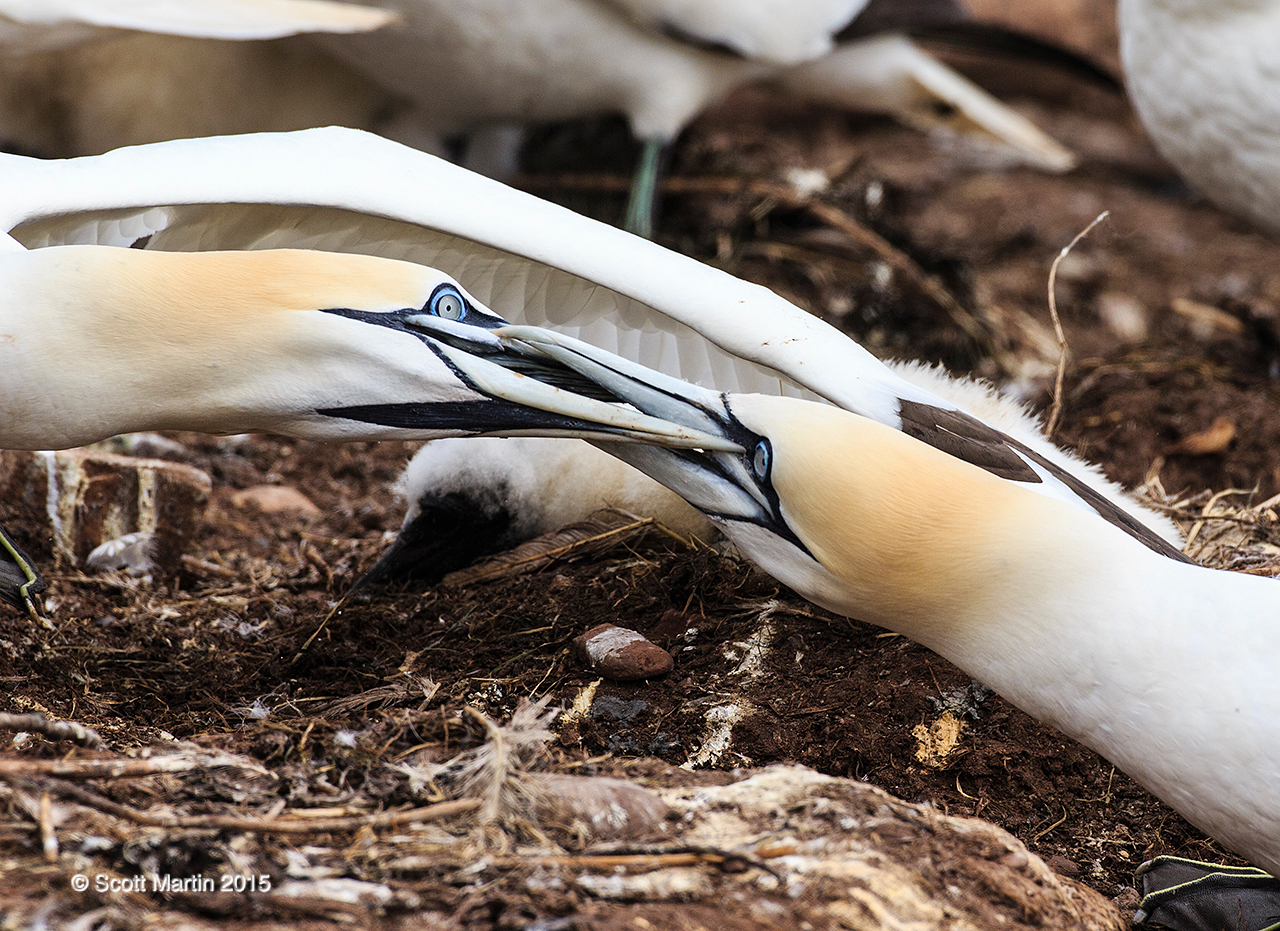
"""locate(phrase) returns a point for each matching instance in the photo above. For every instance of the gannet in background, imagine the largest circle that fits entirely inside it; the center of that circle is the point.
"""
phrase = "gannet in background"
(79, 77)
(1166, 668)
(470, 64)
(529, 261)
(1204, 77)
(99, 340)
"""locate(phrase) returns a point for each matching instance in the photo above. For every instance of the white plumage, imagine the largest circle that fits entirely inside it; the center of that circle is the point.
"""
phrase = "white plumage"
(1205, 79)
(29, 24)
(784, 32)
(471, 63)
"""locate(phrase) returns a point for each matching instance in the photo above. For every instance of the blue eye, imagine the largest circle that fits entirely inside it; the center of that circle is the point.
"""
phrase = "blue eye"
(760, 460)
(448, 303)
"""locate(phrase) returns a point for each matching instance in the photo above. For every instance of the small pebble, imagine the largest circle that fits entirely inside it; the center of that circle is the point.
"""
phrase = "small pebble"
(275, 499)
(1062, 866)
(622, 654)
(1125, 316)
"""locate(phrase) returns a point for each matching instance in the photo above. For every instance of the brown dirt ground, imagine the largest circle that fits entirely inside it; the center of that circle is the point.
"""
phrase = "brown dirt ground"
(191, 656)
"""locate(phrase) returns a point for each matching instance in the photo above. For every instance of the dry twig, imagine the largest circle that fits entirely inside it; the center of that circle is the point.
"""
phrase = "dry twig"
(36, 722)
(285, 825)
(1055, 410)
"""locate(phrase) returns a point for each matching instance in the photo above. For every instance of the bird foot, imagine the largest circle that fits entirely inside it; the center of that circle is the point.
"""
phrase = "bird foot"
(642, 205)
(20, 583)
(1187, 895)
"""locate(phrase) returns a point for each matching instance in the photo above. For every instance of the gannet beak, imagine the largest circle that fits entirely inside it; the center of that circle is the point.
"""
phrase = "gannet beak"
(662, 396)
(720, 478)
(536, 381)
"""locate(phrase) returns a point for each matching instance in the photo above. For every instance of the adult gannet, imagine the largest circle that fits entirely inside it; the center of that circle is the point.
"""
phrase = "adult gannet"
(79, 77)
(1205, 79)
(530, 262)
(469, 64)
(504, 491)
(1166, 668)
(99, 340)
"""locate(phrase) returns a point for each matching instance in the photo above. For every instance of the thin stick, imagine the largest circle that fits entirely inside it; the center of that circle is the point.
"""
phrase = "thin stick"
(38, 723)
(101, 769)
(286, 825)
(48, 838)
(1055, 410)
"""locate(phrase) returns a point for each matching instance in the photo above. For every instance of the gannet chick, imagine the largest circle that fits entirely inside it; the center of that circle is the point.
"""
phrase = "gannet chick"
(468, 499)
(1205, 80)
(467, 64)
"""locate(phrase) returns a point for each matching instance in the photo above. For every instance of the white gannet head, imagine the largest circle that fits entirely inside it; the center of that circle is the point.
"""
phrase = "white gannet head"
(856, 516)
(98, 340)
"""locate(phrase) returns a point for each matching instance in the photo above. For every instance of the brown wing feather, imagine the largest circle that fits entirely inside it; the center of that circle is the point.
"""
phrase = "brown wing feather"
(960, 435)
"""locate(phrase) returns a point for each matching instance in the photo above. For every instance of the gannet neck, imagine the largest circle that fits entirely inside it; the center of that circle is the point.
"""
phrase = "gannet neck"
(1167, 669)
(97, 340)
(1203, 78)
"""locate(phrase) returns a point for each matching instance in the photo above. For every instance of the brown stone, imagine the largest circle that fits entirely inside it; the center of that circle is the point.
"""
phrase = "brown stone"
(97, 497)
(599, 808)
(618, 653)
(275, 499)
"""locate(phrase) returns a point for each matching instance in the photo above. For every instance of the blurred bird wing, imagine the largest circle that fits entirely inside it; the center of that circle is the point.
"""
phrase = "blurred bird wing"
(49, 23)
(784, 32)
(530, 261)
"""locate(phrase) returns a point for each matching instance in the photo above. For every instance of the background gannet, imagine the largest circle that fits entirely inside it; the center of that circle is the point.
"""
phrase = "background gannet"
(529, 261)
(79, 77)
(1164, 667)
(1205, 79)
(470, 64)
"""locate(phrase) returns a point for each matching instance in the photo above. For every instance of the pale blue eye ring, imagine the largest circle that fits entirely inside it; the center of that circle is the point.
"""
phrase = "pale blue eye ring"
(448, 303)
(761, 459)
